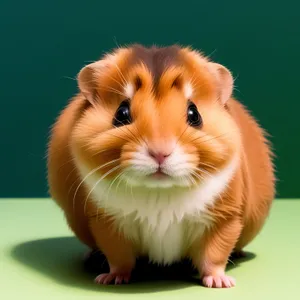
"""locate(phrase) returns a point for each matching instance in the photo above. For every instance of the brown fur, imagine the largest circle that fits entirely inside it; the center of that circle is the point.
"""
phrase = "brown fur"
(84, 132)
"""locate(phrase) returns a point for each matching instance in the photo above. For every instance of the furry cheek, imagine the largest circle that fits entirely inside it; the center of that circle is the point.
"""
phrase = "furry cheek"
(98, 148)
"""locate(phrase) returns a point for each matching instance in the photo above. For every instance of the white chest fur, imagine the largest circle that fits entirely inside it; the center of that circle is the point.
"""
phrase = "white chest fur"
(160, 243)
(161, 223)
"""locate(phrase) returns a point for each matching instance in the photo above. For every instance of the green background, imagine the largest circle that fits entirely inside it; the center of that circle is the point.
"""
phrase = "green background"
(43, 44)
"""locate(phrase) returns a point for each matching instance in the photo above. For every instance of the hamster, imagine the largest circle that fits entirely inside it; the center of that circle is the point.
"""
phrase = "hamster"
(155, 158)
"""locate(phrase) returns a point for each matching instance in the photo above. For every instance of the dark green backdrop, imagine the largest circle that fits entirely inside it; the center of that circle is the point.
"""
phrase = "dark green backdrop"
(43, 43)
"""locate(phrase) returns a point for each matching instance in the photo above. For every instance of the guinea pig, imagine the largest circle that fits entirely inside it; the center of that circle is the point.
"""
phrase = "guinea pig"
(155, 158)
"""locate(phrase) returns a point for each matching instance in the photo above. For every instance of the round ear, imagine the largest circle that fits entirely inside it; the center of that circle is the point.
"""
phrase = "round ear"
(87, 80)
(224, 81)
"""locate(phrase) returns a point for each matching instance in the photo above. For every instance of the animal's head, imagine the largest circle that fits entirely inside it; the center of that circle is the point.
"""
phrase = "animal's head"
(156, 117)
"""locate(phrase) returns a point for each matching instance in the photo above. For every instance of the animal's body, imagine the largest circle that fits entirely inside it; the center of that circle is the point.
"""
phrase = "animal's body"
(155, 158)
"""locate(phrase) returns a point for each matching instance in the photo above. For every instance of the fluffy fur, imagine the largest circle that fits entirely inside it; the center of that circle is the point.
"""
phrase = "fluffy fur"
(214, 187)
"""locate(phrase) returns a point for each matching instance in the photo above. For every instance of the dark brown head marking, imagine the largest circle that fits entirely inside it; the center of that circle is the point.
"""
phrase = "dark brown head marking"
(157, 60)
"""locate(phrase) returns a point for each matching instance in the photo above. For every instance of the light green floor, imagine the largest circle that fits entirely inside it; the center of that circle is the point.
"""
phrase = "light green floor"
(39, 259)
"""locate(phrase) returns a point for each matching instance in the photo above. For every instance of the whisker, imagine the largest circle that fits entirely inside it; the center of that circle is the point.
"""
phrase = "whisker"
(111, 184)
(181, 135)
(215, 137)
(97, 182)
(89, 174)
(141, 135)
(121, 85)
(90, 61)
(74, 169)
(208, 165)
(67, 77)
(199, 138)
(190, 178)
(126, 187)
(122, 130)
(120, 180)
(124, 81)
(212, 53)
(116, 42)
(65, 163)
(103, 151)
(132, 134)
(119, 137)
(192, 80)
(107, 88)
(221, 198)
(199, 176)
(202, 170)
(191, 134)
(71, 187)
(110, 89)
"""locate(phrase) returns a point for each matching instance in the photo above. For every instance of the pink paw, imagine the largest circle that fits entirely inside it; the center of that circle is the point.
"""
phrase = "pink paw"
(117, 278)
(222, 281)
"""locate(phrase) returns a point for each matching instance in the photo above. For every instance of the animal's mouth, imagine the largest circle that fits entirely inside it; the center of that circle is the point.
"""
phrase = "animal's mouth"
(159, 174)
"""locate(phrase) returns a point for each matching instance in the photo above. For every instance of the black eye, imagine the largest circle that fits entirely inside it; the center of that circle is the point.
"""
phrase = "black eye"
(122, 116)
(193, 117)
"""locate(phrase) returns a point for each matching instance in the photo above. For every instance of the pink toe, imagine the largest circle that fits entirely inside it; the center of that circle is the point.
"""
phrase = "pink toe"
(218, 282)
(119, 280)
(232, 281)
(109, 278)
(104, 279)
(208, 281)
(226, 281)
(99, 279)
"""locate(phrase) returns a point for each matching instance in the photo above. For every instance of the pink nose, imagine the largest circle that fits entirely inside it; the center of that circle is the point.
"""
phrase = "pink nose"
(160, 157)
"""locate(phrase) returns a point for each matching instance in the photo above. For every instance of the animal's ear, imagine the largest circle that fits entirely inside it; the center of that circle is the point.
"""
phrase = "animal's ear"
(87, 80)
(224, 81)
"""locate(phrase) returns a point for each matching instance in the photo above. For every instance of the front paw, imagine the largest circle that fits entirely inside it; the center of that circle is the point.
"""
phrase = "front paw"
(218, 281)
(114, 276)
